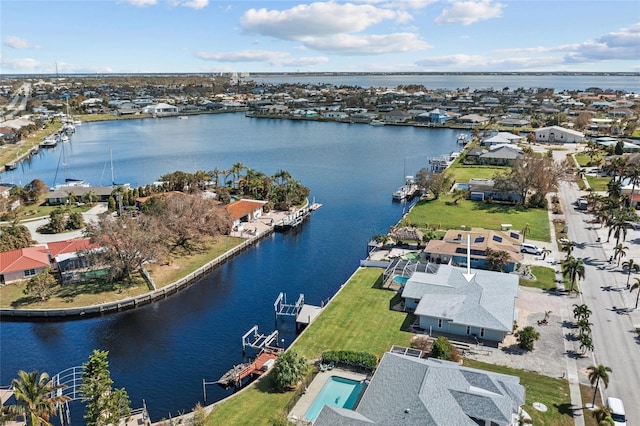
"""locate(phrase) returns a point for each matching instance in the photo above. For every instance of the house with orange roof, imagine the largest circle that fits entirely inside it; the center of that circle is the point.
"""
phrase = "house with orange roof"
(21, 264)
(244, 211)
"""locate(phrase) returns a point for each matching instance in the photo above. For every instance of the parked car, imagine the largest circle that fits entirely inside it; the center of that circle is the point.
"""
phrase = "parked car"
(530, 248)
(616, 407)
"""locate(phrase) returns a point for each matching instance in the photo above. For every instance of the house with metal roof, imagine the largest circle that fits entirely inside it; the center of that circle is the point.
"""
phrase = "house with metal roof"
(557, 134)
(407, 390)
(446, 303)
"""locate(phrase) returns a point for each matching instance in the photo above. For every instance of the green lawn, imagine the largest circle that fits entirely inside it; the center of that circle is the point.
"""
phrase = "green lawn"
(552, 392)
(598, 183)
(359, 319)
(444, 214)
(545, 278)
(462, 173)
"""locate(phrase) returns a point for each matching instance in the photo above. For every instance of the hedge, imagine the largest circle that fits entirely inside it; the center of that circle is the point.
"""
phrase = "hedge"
(363, 360)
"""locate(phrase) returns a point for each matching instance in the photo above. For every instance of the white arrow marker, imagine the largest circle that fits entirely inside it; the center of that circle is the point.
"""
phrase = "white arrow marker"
(468, 276)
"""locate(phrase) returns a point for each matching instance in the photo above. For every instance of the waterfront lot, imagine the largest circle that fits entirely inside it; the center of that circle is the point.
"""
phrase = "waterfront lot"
(96, 292)
(359, 318)
(443, 213)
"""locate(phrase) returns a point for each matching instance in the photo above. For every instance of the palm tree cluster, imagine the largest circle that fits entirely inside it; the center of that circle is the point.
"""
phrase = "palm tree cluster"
(581, 313)
(573, 269)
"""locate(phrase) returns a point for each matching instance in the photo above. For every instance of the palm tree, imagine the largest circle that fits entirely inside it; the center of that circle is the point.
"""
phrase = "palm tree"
(581, 311)
(497, 259)
(586, 342)
(619, 251)
(603, 416)
(568, 246)
(525, 229)
(584, 325)
(633, 173)
(636, 286)
(631, 266)
(597, 373)
(526, 337)
(545, 252)
(573, 269)
(36, 394)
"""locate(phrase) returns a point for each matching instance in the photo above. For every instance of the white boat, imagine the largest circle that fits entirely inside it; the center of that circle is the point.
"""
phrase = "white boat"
(48, 142)
(462, 138)
(64, 138)
(183, 117)
(376, 123)
(407, 191)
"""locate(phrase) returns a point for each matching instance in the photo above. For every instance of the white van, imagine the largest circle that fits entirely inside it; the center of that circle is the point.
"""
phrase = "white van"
(617, 411)
(530, 248)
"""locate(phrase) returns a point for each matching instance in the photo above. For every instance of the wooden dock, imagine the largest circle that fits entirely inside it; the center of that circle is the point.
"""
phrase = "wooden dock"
(238, 373)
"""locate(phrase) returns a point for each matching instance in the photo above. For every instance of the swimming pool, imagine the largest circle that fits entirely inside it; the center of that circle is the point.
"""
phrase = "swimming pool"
(400, 279)
(337, 391)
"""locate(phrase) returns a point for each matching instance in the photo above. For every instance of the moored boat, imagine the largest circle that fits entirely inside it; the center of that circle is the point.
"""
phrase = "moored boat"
(376, 123)
(407, 191)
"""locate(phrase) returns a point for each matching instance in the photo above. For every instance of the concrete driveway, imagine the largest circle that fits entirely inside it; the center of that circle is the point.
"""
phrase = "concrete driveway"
(90, 215)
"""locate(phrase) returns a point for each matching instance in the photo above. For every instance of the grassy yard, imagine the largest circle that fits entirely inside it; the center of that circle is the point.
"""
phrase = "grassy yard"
(10, 152)
(71, 295)
(183, 264)
(552, 392)
(462, 173)
(545, 278)
(359, 318)
(598, 183)
(96, 292)
(444, 214)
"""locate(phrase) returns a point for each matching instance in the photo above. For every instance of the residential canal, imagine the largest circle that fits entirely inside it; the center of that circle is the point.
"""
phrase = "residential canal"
(162, 352)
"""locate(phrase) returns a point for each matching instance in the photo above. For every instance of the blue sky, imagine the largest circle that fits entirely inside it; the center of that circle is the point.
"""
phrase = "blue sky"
(137, 36)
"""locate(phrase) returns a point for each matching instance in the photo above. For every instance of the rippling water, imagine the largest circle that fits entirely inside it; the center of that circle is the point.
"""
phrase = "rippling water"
(162, 352)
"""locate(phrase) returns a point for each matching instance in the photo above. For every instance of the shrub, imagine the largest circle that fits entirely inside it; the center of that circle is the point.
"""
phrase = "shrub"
(353, 359)
(443, 349)
(527, 337)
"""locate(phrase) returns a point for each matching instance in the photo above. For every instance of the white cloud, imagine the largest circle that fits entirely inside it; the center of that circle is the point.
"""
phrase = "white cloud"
(23, 64)
(469, 12)
(18, 43)
(347, 44)
(334, 28)
(194, 4)
(489, 63)
(315, 19)
(141, 3)
(265, 56)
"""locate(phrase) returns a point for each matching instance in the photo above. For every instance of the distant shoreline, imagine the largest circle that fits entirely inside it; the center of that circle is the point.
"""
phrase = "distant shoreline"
(330, 73)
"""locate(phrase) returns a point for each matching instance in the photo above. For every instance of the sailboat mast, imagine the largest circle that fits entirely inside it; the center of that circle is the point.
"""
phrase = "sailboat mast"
(113, 182)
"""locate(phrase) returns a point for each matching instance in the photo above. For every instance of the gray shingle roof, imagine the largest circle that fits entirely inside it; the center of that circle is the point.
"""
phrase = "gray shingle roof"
(487, 301)
(407, 390)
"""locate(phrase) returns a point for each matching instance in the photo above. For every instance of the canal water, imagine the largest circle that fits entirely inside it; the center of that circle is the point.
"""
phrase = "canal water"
(161, 353)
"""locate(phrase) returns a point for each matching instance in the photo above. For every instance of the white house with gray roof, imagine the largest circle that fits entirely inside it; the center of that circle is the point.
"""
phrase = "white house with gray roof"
(445, 302)
(406, 390)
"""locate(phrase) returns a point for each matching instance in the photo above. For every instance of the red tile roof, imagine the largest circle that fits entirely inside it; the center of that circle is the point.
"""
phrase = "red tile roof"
(241, 208)
(69, 246)
(23, 259)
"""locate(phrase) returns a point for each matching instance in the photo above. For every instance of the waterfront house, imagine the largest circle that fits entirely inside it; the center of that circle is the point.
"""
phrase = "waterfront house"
(483, 189)
(557, 134)
(396, 116)
(446, 303)
(69, 258)
(161, 109)
(21, 264)
(435, 116)
(452, 248)
(244, 211)
(62, 194)
(473, 119)
(408, 390)
(501, 155)
(501, 138)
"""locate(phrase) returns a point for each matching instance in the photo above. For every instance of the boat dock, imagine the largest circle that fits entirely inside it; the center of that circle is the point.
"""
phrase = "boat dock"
(259, 341)
(296, 218)
(303, 313)
(258, 367)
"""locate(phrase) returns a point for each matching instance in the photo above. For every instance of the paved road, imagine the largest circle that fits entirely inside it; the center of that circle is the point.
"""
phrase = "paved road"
(604, 289)
(24, 91)
(90, 215)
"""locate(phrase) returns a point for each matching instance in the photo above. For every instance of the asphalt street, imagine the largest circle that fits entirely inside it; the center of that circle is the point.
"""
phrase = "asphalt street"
(616, 343)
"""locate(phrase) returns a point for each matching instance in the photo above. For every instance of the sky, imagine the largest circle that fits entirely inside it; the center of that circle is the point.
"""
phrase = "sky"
(211, 36)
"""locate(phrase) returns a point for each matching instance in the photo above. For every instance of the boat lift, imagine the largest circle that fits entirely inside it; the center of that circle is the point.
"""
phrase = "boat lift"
(259, 341)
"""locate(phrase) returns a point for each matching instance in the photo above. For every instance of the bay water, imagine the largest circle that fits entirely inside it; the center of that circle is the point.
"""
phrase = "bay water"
(161, 353)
